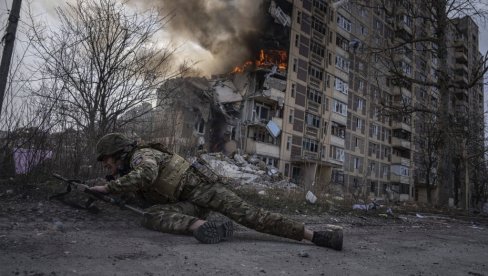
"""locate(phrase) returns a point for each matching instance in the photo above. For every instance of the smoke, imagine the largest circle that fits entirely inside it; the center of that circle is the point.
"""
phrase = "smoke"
(227, 29)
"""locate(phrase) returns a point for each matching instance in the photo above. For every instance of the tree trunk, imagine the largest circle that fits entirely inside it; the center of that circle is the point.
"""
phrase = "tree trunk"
(444, 169)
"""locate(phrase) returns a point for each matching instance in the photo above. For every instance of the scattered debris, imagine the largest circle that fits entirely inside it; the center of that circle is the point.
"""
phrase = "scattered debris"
(310, 197)
(246, 170)
(371, 206)
(303, 254)
(9, 192)
(419, 216)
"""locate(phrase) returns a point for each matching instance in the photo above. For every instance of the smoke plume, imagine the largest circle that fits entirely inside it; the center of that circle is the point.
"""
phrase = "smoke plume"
(228, 29)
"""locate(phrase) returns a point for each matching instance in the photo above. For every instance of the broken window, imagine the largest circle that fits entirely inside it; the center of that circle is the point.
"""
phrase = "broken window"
(262, 112)
(200, 126)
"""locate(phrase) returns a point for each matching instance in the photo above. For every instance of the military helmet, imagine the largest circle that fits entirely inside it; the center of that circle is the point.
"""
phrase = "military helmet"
(112, 143)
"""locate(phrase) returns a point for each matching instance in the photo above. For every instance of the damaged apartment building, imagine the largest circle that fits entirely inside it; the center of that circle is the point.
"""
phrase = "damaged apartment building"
(309, 100)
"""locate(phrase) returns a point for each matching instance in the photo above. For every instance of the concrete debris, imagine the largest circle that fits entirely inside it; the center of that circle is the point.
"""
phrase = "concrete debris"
(246, 170)
(419, 216)
(371, 206)
(310, 197)
(303, 254)
(9, 192)
(262, 193)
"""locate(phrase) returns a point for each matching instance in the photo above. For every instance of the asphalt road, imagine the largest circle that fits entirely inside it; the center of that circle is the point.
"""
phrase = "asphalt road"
(38, 237)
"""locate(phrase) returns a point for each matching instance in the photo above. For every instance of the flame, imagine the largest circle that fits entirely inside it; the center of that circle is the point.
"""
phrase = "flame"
(267, 59)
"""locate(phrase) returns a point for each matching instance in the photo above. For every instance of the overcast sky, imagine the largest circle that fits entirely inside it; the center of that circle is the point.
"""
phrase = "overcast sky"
(44, 9)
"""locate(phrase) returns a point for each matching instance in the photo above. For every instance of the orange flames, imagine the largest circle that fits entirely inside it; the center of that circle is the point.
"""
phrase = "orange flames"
(267, 58)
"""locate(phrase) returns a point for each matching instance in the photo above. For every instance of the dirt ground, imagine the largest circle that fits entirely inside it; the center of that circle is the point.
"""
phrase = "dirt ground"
(41, 237)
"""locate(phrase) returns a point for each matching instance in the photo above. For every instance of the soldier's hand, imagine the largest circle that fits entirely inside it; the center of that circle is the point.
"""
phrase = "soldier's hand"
(100, 189)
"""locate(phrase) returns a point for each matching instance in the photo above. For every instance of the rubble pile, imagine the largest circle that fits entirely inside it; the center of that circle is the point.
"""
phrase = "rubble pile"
(245, 171)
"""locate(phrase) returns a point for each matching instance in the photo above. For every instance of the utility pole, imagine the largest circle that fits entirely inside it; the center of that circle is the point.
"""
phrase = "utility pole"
(8, 48)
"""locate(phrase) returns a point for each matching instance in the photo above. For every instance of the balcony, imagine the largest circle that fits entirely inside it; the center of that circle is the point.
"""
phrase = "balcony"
(338, 118)
(461, 78)
(400, 90)
(400, 143)
(262, 148)
(461, 94)
(317, 60)
(461, 57)
(337, 141)
(402, 26)
(401, 125)
(400, 178)
(395, 159)
(314, 82)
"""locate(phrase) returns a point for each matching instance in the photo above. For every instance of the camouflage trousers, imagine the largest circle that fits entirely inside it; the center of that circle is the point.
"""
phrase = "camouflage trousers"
(199, 197)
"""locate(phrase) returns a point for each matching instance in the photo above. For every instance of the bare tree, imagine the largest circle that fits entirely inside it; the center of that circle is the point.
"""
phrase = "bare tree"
(103, 59)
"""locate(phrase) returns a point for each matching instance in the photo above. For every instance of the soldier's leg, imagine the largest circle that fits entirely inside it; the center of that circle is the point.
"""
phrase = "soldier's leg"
(176, 218)
(220, 199)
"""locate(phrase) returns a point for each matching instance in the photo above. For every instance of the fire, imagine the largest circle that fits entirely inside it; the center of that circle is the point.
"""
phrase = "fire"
(267, 59)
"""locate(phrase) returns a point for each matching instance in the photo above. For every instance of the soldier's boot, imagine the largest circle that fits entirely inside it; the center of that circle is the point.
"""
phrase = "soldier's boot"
(331, 238)
(214, 232)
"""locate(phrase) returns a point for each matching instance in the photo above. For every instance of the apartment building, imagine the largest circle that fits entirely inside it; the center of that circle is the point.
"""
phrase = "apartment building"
(317, 100)
(336, 131)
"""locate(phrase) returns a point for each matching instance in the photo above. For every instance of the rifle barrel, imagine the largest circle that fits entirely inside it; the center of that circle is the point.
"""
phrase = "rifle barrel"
(100, 196)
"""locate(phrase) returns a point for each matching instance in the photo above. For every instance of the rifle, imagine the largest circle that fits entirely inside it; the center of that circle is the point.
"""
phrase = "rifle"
(93, 196)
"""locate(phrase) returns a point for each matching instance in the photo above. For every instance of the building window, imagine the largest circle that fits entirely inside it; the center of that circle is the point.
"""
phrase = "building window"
(338, 130)
(359, 123)
(297, 40)
(299, 17)
(316, 72)
(314, 95)
(293, 89)
(337, 153)
(312, 120)
(341, 85)
(262, 112)
(318, 25)
(360, 104)
(342, 42)
(295, 61)
(318, 49)
(288, 143)
(344, 23)
(363, 30)
(310, 145)
(342, 63)
(200, 126)
(340, 107)
(357, 163)
(291, 116)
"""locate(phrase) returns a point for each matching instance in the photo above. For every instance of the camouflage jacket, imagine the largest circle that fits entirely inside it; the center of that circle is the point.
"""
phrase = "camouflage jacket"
(153, 174)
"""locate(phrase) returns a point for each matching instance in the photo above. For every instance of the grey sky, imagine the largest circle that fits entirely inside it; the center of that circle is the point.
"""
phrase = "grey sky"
(44, 9)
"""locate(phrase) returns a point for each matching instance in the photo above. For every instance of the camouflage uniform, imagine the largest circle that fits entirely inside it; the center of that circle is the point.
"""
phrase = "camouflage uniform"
(192, 198)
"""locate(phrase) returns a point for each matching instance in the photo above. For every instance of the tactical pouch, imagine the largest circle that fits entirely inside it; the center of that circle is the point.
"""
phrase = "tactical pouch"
(169, 177)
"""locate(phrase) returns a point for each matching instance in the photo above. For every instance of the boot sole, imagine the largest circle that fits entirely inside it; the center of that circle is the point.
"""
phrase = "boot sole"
(213, 232)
